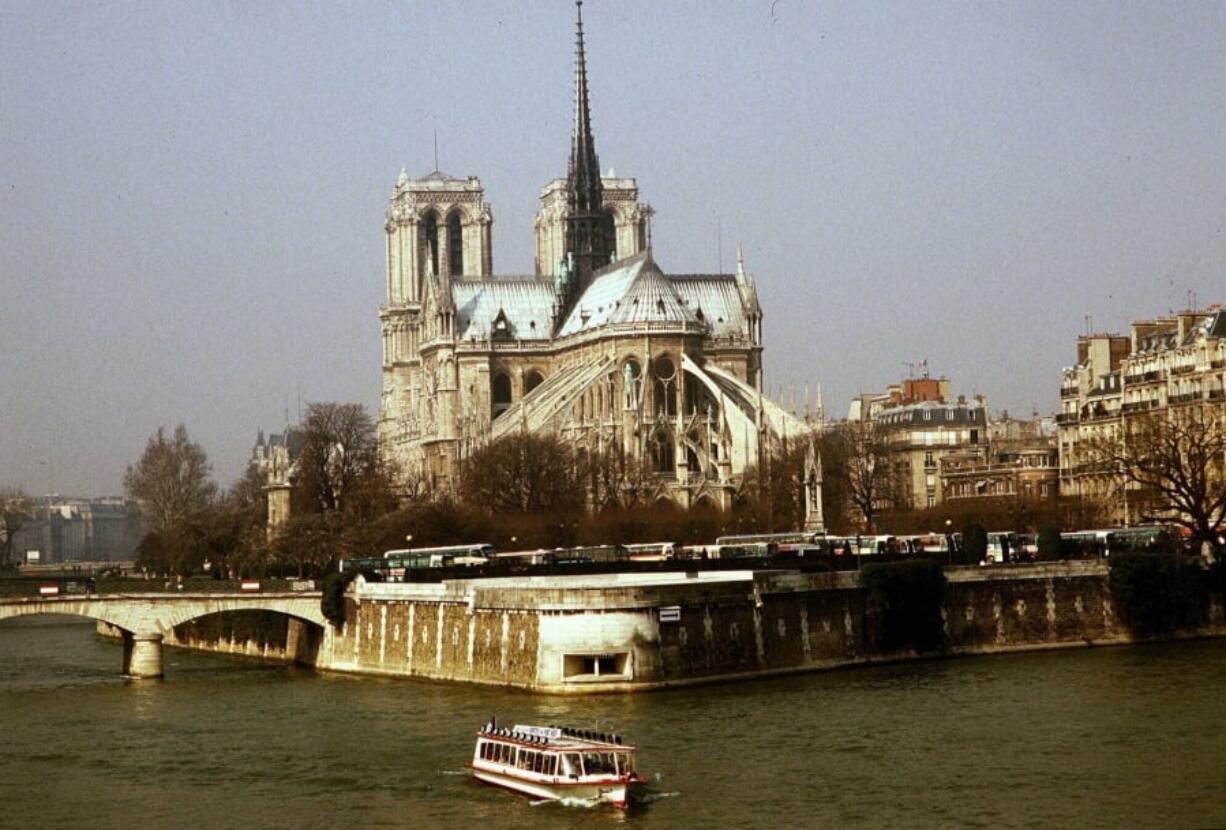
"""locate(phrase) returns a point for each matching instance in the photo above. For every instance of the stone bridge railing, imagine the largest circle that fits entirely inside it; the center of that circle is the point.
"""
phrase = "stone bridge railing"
(145, 619)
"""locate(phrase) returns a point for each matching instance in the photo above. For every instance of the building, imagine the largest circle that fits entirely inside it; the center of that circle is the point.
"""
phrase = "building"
(1160, 365)
(601, 345)
(914, 426)
(1025, 469)
(60, 529)
(274, 457)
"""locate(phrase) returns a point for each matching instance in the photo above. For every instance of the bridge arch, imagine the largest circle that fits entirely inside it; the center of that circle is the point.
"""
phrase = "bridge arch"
(144, 621)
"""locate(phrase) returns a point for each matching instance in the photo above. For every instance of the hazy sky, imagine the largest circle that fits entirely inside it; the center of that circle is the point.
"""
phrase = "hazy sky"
(191, 225)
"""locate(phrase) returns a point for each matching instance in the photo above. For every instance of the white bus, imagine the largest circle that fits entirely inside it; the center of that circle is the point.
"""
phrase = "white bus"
(651, 551)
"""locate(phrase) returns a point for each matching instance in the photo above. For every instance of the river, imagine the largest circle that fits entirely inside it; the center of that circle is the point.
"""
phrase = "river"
(1108, 737)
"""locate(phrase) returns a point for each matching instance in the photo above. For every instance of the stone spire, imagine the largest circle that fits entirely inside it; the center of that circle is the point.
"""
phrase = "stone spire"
(583, 171)
(588, 228)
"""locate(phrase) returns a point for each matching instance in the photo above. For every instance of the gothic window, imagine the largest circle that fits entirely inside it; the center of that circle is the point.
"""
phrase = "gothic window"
(665, 389)
(455, 245)
(500, 394)
(429, 229)
(532, 380)
(662, 453)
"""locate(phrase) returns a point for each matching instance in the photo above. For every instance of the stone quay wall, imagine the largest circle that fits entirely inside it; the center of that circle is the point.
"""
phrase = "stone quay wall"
(630, 632)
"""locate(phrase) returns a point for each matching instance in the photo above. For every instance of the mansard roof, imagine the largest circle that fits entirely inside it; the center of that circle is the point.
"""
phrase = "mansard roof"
(526, 305)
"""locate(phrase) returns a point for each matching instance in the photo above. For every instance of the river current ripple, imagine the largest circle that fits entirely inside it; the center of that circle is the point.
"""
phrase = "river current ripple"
(1110, 737)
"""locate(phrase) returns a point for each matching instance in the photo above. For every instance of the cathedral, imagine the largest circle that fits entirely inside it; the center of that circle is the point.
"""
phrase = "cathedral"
(600, 346)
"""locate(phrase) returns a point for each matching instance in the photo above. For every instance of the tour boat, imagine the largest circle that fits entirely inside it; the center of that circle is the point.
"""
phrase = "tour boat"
(556, 762)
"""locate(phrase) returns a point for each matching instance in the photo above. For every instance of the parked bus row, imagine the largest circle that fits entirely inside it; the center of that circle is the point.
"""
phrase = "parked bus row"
(1002, 547)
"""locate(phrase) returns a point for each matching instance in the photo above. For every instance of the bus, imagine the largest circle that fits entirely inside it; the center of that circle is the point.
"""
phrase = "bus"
(1084, 544)
(777, 538)
(477, 553)
(650, 551)
(565, 556)
(1002, 547)
(743, 550)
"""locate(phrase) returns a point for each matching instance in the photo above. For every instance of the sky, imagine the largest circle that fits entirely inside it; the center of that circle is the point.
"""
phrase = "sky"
(192, 195)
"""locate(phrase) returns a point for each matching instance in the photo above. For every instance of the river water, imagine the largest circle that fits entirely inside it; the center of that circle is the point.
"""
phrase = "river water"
(1111, 737)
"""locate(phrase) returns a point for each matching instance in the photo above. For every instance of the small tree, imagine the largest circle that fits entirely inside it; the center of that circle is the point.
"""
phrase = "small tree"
(1049, 544)
(172, 478)
(974, 543)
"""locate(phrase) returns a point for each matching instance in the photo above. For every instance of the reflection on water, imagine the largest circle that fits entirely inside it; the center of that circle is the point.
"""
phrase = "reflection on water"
(1083, 738)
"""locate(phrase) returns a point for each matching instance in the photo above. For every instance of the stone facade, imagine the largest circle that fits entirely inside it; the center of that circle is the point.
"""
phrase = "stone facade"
(1163, 364)
(600, 346)
(574, 635)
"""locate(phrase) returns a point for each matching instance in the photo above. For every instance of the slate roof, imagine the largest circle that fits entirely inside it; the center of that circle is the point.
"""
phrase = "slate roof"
(715, 300)
(634, 290)
(524, 304)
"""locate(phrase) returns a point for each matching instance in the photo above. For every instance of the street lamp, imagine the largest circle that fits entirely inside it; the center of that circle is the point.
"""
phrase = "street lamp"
(949, 541)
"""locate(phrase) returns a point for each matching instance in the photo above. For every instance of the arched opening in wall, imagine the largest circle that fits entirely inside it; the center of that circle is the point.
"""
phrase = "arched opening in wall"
(532, 380)
(609, 229)
(662, 458)
(256, 632)
(705, 503)
(500, 394)
(429, 235)
(692, 464)
(664, 374)
(632, 380)
(455, 245)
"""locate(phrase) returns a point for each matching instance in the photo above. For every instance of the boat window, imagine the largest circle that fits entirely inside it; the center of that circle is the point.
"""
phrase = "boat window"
(625, 763)
(525, 759)
(551, 764)
(571, 765)
(599, 763)
(508, 752)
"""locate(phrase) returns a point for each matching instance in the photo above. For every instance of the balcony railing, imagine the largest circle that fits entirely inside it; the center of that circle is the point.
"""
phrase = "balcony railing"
(1175, 400)
(1066, 418)
(1139, 406)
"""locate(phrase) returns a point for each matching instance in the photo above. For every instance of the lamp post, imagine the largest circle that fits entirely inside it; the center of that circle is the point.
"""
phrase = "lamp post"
(949, 541)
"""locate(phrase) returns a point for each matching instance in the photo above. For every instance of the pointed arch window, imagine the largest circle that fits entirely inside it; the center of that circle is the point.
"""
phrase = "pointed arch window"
(455, 245)
(430, 238)
(500, 394)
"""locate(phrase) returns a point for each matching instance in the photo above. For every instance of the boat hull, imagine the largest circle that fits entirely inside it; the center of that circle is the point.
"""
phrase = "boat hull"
(612, 792)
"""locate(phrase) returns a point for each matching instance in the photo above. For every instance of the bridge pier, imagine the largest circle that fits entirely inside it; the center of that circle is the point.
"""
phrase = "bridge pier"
(142, 655)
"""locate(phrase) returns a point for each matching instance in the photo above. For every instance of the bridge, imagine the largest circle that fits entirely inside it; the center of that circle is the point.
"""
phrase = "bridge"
(145, 619)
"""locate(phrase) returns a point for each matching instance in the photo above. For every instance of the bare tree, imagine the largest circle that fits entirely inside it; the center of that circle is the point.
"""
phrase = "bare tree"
(870, 482)
(615, 479)
(1176, 459)
(14, 511)
(339, 451)
(523, 473)
(172, 478)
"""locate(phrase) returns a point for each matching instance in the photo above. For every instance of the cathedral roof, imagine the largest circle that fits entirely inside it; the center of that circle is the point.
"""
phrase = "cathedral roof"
(715, 300)
(516, 309)
(633, 290)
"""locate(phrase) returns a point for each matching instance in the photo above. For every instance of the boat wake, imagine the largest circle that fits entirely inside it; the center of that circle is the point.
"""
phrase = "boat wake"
(586, 803)
(453, 772)
(647, 798)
